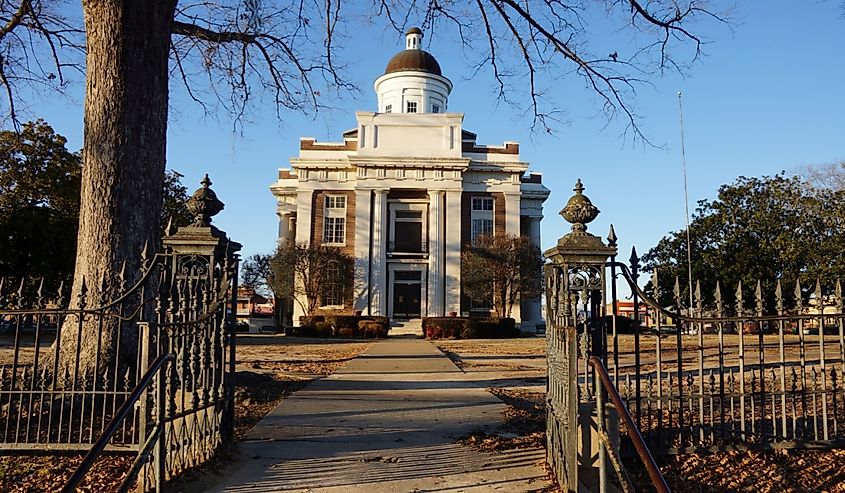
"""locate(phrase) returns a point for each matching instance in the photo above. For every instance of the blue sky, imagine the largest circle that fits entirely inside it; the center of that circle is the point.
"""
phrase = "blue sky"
(767, 96)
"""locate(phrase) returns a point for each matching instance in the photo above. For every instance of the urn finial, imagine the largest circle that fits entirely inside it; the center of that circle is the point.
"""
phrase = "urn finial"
(579, 210)
(204, 204)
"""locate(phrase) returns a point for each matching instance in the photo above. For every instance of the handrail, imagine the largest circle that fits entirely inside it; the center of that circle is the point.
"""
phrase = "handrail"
(654, 473)
(110, 430)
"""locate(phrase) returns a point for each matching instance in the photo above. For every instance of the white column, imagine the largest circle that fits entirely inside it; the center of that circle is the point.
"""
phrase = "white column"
(361, 286)
(287, 233)
(453, 251)
(436, 253)
(536, 304)
(303, 234)
(512, 213)
(531, 309)
(378, 277)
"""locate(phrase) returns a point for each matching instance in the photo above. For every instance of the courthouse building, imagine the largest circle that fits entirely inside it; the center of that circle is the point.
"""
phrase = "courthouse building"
(401, 194)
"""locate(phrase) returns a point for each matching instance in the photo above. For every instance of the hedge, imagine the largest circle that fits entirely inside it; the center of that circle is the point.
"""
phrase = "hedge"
(341, 326)
(468, 328)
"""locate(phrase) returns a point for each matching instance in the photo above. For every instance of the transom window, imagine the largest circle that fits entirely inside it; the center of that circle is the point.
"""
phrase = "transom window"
(334, 220)
(335, 202)
(482, 203)
(412, 107)
(435, 108)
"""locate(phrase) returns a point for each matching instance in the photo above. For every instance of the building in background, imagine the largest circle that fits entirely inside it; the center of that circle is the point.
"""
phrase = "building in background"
(254, 312)
(401, 194)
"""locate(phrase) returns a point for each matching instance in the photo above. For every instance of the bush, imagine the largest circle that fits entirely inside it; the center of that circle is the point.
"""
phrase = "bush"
(494, 328)
(312, 320)
(341, 326)
(344, 321)
(347, 332)
(323, 329)
(372, 329)
(444, 327)
(303, 331)
(469, 328)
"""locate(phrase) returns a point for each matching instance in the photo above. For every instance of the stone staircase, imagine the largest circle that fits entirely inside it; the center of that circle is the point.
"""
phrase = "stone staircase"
(412, 327)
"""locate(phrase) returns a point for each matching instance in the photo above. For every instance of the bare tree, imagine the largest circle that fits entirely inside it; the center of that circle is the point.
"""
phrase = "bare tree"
(829, 176)
(502, 269)
(234, 53)
(306, 273)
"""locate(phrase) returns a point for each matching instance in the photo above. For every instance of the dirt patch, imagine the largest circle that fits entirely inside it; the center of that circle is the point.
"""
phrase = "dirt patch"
(783, 471)
(524, 423)
(50, 473)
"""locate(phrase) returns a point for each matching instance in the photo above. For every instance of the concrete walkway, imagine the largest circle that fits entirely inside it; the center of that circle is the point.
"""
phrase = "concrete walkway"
(386, 422)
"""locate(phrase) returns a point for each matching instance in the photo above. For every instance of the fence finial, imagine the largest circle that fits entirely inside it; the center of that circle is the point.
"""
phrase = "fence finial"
(204, 204)
(611, 237)
(579, 210)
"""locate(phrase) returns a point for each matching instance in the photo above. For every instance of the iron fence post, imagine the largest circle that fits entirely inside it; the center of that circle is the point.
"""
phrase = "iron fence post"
(160, 464)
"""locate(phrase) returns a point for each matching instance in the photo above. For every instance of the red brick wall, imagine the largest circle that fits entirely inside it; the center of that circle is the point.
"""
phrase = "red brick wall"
(466, 213)
(318, 203)
(466, 224)
(498, 213)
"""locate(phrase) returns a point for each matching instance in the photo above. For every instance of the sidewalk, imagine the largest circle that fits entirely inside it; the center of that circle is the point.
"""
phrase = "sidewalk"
(386, 422)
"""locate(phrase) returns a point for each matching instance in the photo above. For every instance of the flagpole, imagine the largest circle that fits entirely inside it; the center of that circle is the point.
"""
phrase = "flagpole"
(686, 200)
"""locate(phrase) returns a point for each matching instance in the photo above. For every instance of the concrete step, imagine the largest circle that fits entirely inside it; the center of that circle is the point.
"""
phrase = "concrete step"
(406, 327)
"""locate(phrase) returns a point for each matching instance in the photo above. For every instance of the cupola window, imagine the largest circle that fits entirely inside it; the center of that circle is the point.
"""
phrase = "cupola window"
(435, 108)
(411, 107)
(388, 108)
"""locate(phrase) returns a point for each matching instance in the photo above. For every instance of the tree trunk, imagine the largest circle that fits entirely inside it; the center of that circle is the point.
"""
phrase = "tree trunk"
(126, 100)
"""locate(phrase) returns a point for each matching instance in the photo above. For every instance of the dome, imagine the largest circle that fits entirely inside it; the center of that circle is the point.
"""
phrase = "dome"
(416, 60)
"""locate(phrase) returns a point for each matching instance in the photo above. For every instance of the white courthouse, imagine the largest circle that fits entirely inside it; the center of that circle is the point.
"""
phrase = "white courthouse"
(403, 191)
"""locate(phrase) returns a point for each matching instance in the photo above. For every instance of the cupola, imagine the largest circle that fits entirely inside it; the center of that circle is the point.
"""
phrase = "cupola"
(412, 81)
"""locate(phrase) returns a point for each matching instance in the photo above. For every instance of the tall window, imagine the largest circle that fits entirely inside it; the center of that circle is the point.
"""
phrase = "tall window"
(334, 220)
(482, 217)
(435, 108)
(388, 108)
(412, 107)
(332, 294)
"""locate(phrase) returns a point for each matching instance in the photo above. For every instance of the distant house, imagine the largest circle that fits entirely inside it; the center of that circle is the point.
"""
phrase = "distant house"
(254, 311)
(626, 309)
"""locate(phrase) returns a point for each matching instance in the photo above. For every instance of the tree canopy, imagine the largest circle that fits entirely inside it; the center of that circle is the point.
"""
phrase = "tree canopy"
(766, 228)
(39, 203)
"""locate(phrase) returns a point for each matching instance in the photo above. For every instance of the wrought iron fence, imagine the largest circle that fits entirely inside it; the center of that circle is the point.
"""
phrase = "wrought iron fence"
(68, 365)
(760, 370)
(735, 375)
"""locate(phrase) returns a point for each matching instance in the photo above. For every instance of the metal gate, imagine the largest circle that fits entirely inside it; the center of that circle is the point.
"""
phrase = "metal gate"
(753, 370)
(53, 399)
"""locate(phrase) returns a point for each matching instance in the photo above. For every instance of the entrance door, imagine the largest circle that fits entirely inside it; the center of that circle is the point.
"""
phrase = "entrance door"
(406, 300)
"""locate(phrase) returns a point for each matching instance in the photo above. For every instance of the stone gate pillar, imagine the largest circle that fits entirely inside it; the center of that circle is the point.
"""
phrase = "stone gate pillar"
(575, 304)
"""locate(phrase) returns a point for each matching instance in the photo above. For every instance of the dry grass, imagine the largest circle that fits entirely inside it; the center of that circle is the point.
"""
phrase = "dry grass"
(793, 471)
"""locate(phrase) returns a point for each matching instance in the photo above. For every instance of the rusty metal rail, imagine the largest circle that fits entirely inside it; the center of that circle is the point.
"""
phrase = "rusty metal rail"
(657, 479)
(157, 367)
